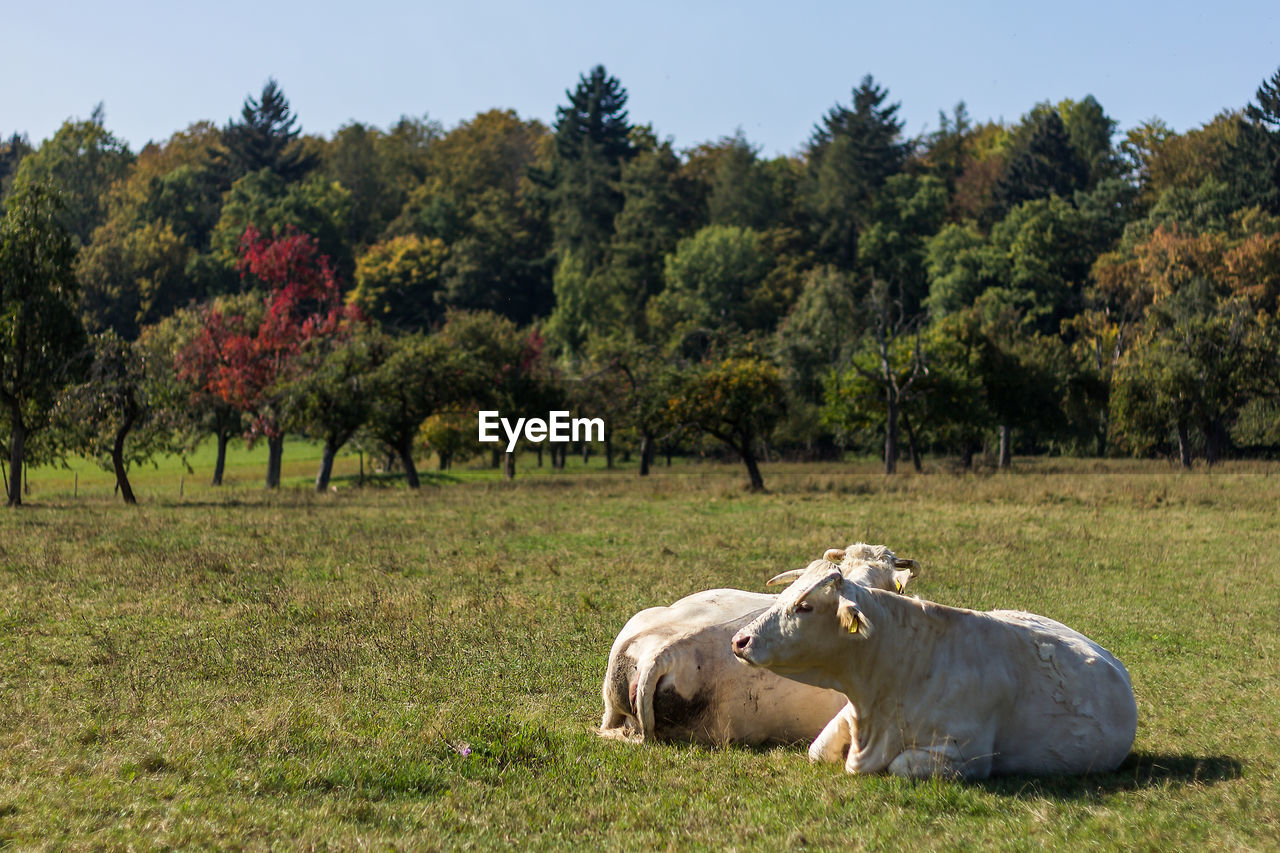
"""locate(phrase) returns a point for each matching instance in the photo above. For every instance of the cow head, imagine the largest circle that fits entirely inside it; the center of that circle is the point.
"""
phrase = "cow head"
(870, 565)
(810, 628)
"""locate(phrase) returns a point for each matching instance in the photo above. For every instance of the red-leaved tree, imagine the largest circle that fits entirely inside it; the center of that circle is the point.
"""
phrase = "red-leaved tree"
(248, 358)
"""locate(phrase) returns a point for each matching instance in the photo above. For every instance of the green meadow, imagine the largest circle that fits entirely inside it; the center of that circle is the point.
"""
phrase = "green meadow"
(374, 668)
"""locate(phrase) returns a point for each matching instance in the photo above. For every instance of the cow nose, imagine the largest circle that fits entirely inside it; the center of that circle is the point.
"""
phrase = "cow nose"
(740, 642)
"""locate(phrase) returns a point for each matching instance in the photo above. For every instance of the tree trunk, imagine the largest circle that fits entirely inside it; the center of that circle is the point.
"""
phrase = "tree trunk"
(966, 455)
(753, 470)
(911, 443)
(17, 445)
(539, 447)
(410, 470)
(220, 465)
(891, 433)
(444, 460)
(608, 451)
(326, 466)
(646, 452)
(667, 452)
(493, 457)
(1184, 445)
(275, 451)
(1006, 451)
(586, 452)
(509, 466)
(117, 460)
(1215, 441)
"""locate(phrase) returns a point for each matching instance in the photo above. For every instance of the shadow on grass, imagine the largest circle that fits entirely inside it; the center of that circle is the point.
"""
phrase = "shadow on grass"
(1139, 770)
(393, 480)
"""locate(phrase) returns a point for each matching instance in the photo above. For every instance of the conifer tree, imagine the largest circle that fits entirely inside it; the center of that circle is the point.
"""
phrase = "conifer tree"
(851, 154)
(592, 141)
(1261, 138)
(1048, 164)
(265, 135)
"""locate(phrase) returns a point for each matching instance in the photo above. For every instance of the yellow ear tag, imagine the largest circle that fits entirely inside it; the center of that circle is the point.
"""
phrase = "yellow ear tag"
(853, 629)
(897, 586)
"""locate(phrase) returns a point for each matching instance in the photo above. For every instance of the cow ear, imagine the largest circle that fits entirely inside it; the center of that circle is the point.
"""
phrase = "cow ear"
(834, 555)
(900, 580)
(852, 619)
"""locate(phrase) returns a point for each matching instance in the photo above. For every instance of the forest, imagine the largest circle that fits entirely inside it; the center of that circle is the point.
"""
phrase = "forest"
(1055, 285)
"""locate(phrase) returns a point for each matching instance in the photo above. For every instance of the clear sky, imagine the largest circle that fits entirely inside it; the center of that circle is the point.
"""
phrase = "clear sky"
(694, 70)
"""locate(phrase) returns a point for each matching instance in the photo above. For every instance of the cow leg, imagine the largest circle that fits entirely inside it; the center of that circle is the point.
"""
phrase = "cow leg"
(944, 760)
(834, 742)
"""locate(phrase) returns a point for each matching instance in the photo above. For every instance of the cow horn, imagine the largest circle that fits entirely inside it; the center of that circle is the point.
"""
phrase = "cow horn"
(785, 577)
(899, 563)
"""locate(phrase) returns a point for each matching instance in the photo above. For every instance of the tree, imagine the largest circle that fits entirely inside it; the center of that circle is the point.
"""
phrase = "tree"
(1043, 163)
(1189, 373)
(124, 412)
(890, 360)
(81, 161)
(191, 406)
(1090, 131)
(477, 199)
(713, 281)
(1260, 146)
(266, 203)
(738, 400)
(135, 277)
(852, 152)
(642, 385)
(908, 211)
(592, 141)
(251, 364)
(41, 337)
(505, 368)
(656, 210)
(398, 282)
(451, 435)
(265, 137)
(421, 376)
(333, 394)
(12, 150)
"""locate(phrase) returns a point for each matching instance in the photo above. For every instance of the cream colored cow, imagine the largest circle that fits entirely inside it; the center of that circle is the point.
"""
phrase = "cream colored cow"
(936, 690)
(672, 674)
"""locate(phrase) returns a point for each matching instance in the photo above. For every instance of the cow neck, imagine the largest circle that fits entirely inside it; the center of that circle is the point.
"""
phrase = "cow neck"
(903, 631)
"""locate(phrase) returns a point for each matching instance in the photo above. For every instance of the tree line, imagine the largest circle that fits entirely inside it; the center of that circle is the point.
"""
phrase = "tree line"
(1047, 285)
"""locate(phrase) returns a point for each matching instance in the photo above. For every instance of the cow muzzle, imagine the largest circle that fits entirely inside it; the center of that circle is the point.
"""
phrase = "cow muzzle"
(742, 646)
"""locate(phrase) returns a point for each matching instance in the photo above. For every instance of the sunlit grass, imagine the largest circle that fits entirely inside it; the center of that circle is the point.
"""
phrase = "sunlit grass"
(374, 667)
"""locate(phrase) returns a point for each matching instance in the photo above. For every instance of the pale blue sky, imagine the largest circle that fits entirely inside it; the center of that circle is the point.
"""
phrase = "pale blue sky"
(695, 70)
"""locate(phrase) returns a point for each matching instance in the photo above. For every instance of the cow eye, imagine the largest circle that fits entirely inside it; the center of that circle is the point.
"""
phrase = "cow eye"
(803, 607)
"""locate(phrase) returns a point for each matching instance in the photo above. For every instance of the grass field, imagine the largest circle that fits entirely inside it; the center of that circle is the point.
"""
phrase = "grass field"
(373, 668)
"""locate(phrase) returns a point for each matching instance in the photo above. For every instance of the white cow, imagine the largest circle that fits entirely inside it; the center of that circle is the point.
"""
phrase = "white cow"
(936, 690)
(672, 674)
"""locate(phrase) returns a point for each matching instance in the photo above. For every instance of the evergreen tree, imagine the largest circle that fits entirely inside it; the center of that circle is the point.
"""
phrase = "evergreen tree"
(265, 135)
(12, 150)
(1260, 143)
(851, 154)
(592, 141)
(1046, 164)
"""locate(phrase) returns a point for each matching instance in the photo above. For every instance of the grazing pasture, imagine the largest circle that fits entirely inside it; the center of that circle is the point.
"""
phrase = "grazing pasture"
(375, 668)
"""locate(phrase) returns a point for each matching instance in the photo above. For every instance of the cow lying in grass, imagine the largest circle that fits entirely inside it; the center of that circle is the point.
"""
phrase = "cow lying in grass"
(672, 674)
(936, 690)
